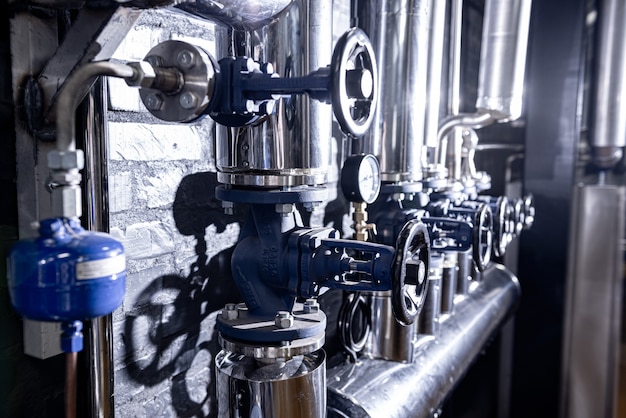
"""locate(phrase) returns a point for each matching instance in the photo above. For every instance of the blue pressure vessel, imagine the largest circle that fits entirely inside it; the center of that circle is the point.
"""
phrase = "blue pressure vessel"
(67, 273)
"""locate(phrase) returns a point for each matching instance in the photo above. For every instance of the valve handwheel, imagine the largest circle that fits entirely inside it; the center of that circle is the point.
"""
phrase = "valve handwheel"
(410, 272)
(354, 86)
(483, 237)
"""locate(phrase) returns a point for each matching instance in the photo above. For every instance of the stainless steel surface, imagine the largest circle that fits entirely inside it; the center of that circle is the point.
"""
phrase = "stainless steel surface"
(464, 275)
(417, 104)
(435, 64)
(293, 145)
(386, 23)
(449, 278)
(503, 58)
(74, 91)
(428, 321)
(400, 31)
(183, 95)
(287, 388)
(591, 342)
(294, 348)
(454, 57)
(375, 385)
(388, 339)
(607, 121)
(99, 331)
(240, 15)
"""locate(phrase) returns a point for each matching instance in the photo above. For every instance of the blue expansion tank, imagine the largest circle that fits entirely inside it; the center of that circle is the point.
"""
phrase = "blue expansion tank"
(67, 273)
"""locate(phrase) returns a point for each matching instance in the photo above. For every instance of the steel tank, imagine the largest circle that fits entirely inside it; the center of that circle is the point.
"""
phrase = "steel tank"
(292, 145)
(266, 387)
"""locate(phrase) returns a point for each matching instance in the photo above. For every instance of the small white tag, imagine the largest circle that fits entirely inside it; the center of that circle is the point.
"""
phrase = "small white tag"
(100, 268)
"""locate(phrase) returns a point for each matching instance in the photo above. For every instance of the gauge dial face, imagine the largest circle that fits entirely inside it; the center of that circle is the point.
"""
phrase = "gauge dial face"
(360, 178)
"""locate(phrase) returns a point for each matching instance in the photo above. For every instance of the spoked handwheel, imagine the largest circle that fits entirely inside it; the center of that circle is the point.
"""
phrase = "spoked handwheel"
(410, 271)
(355, 82)
(482, 237)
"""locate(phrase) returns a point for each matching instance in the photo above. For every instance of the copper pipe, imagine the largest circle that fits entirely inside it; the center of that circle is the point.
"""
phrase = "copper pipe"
(71, 360)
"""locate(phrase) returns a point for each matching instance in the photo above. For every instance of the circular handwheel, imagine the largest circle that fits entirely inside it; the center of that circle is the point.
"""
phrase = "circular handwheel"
(500, 227)
(529, 211)
(410, 272)
(355, 82)
(482, 237)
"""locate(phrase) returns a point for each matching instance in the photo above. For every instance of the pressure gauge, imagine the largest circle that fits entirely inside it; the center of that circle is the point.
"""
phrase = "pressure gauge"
(360, 178)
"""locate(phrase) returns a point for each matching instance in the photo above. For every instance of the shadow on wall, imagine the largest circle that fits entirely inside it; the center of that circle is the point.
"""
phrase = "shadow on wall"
(175, 340)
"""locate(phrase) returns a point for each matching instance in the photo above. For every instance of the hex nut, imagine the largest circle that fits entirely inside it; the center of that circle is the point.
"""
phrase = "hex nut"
(230, 311)
(66, 160)
(188, 100)
(311, 305)
(283, 319)
(153, 101)
(144, 74)
(66, 201)
(284, 208)
(186, 59)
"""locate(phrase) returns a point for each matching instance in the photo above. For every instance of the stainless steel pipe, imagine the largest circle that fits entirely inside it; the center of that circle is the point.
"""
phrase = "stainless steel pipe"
(502, 68)
(503, 58)
(608, 124)
(291, 146)
(371, 387)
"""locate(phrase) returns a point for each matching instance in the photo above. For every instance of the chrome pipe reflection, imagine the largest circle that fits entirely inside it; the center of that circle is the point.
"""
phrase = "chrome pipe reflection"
(420, 386)
(502, 68)
(503, 58)
(98, 331)
(386, 23)
(608, 125)
(291, 146)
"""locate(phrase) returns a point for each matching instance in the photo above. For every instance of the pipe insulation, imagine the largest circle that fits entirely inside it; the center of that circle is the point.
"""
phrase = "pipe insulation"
(380, 388)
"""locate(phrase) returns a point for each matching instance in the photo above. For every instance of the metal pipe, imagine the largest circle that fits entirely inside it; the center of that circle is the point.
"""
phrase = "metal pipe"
(372, 387)
(503, 58)
(454, 63)
(99, 332)
(608, 124)
(386, 23)
(387, 339)
(73, 93)
(448, 282)
(417, 66)
(435, 64)
(501, 73)
(71, 359)
(292, 146)
(246, 15)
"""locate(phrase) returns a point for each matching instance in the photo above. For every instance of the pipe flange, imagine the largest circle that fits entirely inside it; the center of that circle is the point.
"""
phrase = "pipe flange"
(187, 98)
(255, 331)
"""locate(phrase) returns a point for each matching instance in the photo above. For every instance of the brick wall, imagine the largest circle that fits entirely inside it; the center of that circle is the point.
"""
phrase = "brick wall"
(178, 241)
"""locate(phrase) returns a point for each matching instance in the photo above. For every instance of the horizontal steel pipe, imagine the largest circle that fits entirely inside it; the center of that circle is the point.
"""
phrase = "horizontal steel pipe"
(379, 388)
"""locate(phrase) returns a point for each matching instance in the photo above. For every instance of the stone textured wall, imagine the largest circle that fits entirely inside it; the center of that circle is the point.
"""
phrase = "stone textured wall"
(178, 241)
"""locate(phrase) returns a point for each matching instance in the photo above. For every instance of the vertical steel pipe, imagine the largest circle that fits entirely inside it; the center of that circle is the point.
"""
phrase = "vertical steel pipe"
(292, 146)
(608, 123)
(98, 352)
(503, 58)
(386, 23)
